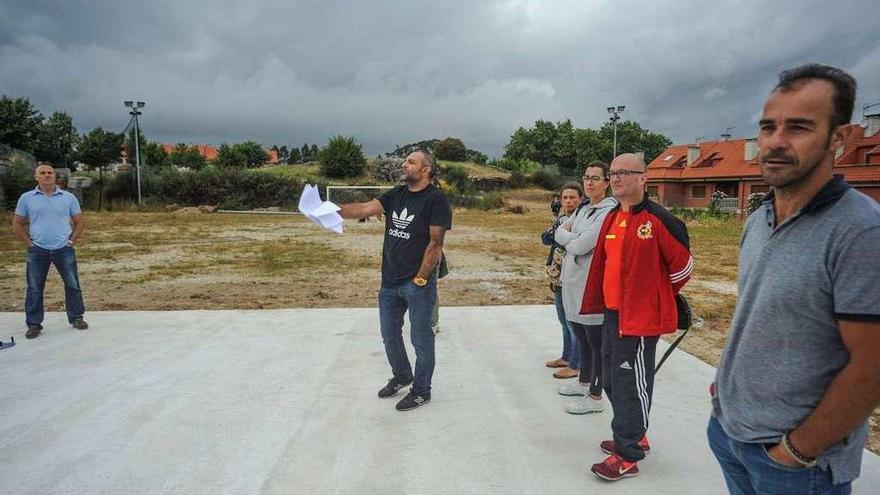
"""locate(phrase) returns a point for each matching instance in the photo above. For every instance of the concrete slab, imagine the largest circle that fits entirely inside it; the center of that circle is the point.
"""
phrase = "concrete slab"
(284, 401)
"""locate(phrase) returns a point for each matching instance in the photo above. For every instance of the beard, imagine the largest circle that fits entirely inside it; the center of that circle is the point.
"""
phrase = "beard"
(796, 172)
(411, 179)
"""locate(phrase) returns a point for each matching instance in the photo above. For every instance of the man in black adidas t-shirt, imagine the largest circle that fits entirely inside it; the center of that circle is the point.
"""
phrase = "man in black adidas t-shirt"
(417, 216)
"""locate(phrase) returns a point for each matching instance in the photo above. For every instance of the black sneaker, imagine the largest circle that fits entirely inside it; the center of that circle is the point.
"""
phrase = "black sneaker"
(33, 331)
(80, 324)
(412, 401)
(394, 386)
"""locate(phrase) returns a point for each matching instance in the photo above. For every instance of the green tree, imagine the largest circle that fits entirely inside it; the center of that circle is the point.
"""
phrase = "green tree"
(283, 154)
(477, 157)
(186, 157)
(230, 156)
(295, 156)
(19, 123)
(253, 153)
(313, 152)
(588, 147)
(100, 148)
(562, 149)
(452, 149)
(56, 140)
(154, 156)
(130, 151)
(342, 157)
(632, 138)
(305, 153)
(536, 144)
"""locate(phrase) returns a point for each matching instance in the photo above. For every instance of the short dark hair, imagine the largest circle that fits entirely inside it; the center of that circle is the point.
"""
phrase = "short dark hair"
(844, 88)
(599, 164)
(571, 185)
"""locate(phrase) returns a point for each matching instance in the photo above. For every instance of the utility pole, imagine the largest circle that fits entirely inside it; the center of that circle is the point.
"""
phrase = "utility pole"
(135, 111)
(615, 116)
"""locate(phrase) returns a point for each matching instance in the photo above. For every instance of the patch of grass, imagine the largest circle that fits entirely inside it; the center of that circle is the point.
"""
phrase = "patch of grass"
(305, 172)
(475, 170)
(286, 255)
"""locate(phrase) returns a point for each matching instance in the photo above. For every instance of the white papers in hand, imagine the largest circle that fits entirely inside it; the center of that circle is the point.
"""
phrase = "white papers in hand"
(321, 213)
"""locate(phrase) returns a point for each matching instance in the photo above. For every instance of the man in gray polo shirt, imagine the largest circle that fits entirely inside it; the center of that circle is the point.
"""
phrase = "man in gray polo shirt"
(800, 374)
(50, 239)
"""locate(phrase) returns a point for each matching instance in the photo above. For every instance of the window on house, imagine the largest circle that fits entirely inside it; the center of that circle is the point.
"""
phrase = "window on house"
(653, 191)
(698, 192)
(760, 188)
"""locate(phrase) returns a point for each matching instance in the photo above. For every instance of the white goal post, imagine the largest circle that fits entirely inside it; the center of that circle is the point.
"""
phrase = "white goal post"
(330, 188)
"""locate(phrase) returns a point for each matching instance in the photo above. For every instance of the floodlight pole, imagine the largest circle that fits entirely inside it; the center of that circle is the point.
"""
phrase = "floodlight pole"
(615, 116)
(135, 111)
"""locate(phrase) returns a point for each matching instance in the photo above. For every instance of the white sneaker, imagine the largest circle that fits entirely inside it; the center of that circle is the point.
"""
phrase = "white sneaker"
(585, 405)
(572, 388)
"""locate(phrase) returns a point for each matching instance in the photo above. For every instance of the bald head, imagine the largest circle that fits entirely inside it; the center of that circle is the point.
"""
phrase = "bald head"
(629, 161)
(628, 179)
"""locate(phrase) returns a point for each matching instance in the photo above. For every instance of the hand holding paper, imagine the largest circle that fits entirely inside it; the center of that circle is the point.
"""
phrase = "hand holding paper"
(321, 213)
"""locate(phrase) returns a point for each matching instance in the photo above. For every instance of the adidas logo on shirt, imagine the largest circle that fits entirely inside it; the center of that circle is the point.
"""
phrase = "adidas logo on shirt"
(401, 221)
(625, 365)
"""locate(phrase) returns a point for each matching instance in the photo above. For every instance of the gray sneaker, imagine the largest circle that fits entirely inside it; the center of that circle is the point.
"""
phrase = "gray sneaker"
(80, 324)
(585, 405)
(572, 389)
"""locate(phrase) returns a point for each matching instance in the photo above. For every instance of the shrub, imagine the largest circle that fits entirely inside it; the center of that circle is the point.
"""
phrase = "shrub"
(492, 200)
(458, 178)
(15, 179)
(524, 166)
(754, 201)
(451, 149)
(547, 179)
(389, 169)
(517, 180)
(477, 157)
(342, 158)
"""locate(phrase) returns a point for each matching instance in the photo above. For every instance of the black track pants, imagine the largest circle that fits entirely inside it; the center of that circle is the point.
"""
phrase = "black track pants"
(628, 373)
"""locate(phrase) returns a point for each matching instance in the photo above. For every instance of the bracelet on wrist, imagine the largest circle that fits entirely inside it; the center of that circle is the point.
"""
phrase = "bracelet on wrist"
(793, 452)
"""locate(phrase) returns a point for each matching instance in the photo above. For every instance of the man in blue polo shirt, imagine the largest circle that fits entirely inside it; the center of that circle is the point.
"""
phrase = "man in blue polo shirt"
(800, 374)
(50, 240)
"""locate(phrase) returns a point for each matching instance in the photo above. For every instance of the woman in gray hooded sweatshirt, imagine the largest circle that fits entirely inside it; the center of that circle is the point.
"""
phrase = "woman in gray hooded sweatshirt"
(579, 235)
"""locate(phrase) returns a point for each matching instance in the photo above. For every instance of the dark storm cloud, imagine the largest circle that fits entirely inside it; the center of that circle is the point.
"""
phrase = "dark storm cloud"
(396, 72)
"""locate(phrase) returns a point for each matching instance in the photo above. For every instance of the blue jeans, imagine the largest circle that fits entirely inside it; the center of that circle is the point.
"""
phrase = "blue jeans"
(571, 350)
(748, 470)
(38, 262)
(393, 303)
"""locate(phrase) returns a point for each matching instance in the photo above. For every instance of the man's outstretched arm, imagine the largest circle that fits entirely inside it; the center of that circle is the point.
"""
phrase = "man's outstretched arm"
(361, 210)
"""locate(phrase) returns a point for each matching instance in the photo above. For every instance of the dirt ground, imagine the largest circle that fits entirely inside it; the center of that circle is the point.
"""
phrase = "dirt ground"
(174, 261)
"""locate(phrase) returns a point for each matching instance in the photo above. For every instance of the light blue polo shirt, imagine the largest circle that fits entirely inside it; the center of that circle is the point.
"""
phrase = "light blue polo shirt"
(797, 280)
(49, 216)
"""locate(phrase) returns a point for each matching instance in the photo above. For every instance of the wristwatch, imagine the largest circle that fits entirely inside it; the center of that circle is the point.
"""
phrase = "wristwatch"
(420, 281)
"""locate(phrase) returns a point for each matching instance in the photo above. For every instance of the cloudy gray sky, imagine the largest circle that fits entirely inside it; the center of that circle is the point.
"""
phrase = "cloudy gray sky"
(395, 72)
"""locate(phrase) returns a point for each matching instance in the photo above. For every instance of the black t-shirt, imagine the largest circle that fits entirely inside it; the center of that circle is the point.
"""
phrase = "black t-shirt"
(408, 216)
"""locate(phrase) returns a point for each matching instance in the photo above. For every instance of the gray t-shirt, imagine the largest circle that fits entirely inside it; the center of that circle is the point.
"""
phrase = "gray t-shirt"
(796, 280)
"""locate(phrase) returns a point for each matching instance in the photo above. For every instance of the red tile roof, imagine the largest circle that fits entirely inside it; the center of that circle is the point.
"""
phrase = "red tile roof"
(857, 147)
(206, 150)
(717, 159)
(725, 160)
(273, 156)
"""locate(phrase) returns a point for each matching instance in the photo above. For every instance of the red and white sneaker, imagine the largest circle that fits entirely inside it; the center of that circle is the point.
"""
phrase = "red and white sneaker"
(615, 468)
(608, 446)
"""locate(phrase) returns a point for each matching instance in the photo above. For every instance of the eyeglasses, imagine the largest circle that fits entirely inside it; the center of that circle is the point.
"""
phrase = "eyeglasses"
(592, 178)
(624, 172)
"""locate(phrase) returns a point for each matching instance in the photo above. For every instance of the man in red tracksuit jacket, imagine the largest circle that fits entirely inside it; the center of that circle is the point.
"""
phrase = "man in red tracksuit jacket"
(642, 259)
